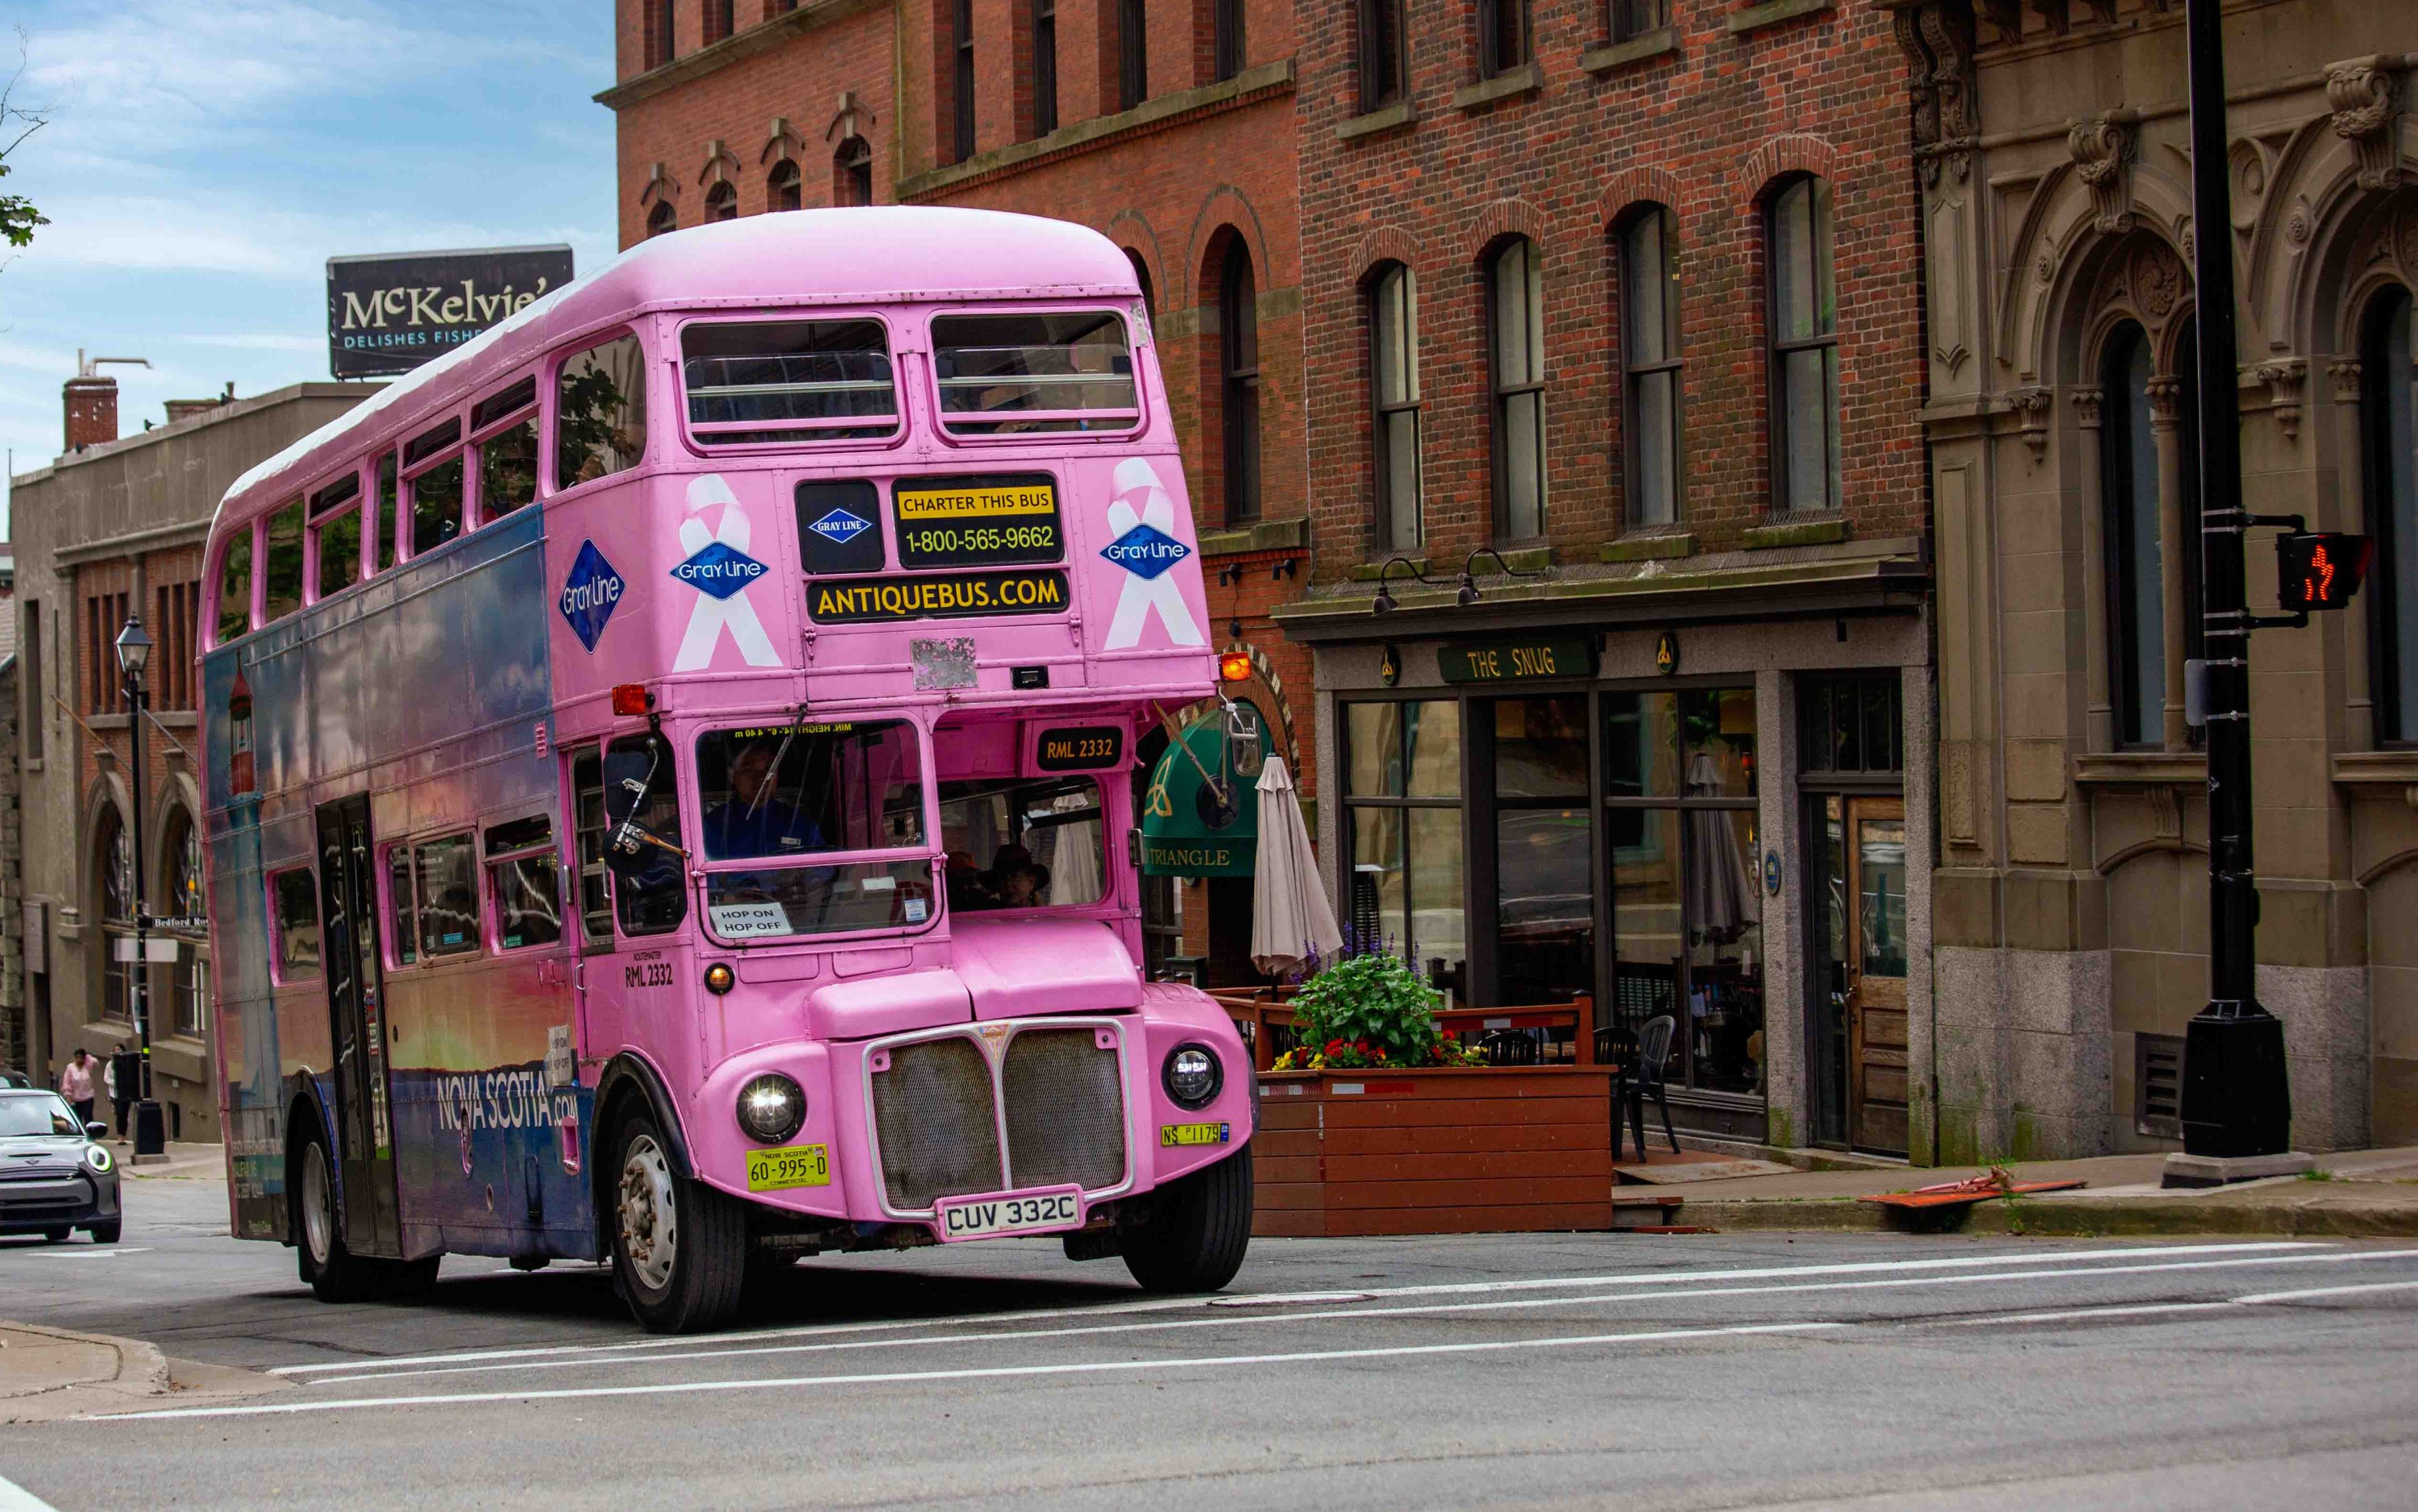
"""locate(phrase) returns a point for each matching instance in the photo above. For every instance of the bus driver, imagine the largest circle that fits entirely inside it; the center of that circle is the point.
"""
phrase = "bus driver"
(754, 821)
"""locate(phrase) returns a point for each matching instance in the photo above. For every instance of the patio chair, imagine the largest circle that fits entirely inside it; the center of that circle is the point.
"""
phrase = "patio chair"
(1653, 1055)
(1507, 1048)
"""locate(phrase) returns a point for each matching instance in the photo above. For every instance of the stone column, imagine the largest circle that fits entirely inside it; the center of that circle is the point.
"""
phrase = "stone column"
(2174, 589)
(2099, 729)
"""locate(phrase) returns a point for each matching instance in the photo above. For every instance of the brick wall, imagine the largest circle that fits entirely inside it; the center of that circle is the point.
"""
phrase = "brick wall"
(1705, 128)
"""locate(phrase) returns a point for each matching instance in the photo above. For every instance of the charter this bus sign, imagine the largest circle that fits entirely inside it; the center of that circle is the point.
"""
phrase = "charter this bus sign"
(390, 313)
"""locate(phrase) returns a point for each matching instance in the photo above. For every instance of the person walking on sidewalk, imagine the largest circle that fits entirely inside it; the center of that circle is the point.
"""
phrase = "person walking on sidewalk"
(125, 1083)
(75, 1084)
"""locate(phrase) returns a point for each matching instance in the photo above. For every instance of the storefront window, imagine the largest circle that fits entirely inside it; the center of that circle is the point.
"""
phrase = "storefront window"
(1403, 809)
(1543, 849)
(1679, 789)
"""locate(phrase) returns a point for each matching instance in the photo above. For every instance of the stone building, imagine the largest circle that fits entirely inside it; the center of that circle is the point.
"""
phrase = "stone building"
(2070, 913)
(1613, 325)
(111, 527)
(1168, 127)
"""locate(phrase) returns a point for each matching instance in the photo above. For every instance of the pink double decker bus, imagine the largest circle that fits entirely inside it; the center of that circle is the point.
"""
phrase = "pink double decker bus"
(669, 769)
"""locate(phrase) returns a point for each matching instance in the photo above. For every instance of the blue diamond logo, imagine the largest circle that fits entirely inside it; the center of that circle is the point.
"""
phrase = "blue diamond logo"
(1145, 551)
(719, 571)
(589, 594)
(840, 527)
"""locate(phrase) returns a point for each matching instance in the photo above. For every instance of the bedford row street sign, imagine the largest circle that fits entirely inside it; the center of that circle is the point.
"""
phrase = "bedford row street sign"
(390, 314)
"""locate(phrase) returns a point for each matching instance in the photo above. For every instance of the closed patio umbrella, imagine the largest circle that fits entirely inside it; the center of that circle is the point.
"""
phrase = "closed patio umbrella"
(1290, 919)
(1721, 886)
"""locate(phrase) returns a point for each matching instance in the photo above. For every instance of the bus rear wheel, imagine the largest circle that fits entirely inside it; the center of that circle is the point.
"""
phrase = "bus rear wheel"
(680, 1248)
(1200, 1227)
(332, 1272)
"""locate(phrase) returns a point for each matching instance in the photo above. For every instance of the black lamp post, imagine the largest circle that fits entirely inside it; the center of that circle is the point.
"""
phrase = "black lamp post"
(133, 660)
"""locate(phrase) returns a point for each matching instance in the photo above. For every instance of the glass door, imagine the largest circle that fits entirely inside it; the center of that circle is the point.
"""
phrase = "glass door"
(1876, 1017)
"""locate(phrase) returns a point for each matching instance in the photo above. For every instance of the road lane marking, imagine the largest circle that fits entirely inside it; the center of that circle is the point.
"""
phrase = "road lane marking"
(984, 1373)
(1665, 1277)
(91, 1254)
(2256, 1300)
(15, 1498)
(1426, 1310)
(2329, 1291)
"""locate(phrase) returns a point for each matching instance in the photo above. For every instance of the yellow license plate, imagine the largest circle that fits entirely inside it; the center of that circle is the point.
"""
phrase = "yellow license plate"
(1174, 1136)
(800, 1165)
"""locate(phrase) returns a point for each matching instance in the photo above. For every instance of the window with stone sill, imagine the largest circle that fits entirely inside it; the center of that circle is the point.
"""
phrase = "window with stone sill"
(853, 173)
(785, 187)
(1380, 58)
(1651, 374)
(1515, 326)
(1044, 66)
(1632, 18)
(1394, 394)
(1502, 36)
(1804, 323)
(2389, 416)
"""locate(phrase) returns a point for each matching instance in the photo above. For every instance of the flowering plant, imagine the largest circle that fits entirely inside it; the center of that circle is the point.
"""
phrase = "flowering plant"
(1367, 1012)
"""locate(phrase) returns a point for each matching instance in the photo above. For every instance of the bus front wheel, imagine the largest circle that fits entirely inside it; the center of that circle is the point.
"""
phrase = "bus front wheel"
(1200, 1227)
(680, 1248)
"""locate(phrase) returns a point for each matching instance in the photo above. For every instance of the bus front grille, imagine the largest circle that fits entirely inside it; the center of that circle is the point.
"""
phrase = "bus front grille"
(933, 1113)
(1066, 1111)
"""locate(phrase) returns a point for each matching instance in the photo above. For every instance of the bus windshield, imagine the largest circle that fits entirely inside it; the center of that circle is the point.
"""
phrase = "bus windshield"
(778, 794)
(1022, 845)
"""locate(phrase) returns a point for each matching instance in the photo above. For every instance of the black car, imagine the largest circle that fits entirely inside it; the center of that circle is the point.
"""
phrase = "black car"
(55, 1175)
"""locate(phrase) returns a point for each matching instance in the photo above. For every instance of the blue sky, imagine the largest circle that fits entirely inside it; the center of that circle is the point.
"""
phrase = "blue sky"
(203, 163)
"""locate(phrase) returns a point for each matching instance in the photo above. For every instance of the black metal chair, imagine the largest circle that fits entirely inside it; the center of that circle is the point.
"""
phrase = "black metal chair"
(1507, 1048)
(1653, 1056)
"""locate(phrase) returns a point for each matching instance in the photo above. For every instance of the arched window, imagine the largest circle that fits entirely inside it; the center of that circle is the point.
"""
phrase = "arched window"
(1238, 340)
(1141, 276)
(722, 201)
(2389, 373)
(1394, 393)
(182, 907)
(662, 218)
(1515, 340)
(2135, 574)
(1805, 349)
(113, 863)
(785, 187)
(1649, 361)
(1380, 25)
(853, 173)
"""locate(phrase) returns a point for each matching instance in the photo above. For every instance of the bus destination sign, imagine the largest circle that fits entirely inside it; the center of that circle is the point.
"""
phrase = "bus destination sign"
(861, 601)
(390, 313)
(1081, 748)
(1517, 661)
(991, 521)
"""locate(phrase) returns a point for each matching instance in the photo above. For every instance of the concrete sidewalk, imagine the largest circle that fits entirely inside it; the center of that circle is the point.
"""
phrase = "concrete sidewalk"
(185, 1161)
(48, 1374)
(2353, 1194)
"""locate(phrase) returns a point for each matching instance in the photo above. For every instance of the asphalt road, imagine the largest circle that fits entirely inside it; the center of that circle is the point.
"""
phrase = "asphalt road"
(1498, 1371)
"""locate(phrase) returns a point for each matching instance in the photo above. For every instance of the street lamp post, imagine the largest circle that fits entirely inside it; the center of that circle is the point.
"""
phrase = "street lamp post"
(133, 660)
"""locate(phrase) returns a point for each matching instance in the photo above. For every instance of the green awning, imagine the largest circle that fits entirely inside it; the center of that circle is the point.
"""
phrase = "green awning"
(1200, 818)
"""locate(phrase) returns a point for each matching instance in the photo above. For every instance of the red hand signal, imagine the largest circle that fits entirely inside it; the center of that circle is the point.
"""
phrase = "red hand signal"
(2321, 571)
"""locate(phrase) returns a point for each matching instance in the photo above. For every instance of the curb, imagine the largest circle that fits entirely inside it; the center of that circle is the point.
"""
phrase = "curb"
(2071, 1218)
(138, 1375)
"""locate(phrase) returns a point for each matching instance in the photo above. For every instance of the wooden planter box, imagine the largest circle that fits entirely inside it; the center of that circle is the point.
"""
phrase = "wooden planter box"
(1494, 1150)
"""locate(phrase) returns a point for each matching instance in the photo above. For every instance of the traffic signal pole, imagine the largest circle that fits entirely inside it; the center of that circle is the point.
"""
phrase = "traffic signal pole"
(2236, 1101)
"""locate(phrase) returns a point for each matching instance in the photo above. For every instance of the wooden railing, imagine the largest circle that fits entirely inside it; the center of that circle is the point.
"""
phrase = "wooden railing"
(1263, 1017)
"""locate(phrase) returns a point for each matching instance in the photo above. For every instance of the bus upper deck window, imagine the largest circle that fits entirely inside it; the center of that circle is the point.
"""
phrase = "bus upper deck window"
(788, 381)
(599, 413)
(336, 534)
(507, 458)
(235, 587)
(386, 495)
(1021, 374)
(283, 587)
(436, 492)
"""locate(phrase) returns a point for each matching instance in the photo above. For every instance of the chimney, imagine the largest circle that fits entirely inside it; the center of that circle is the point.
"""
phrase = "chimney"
(91, 401)
(183, 410)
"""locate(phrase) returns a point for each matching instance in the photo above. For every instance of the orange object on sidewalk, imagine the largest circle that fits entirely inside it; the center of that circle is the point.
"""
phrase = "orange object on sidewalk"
(1994, 1183)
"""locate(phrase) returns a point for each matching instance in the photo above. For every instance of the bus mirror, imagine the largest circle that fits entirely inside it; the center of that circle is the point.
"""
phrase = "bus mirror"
(1245, 752)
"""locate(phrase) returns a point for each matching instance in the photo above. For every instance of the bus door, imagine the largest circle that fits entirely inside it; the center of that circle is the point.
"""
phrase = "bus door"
(356, 1017)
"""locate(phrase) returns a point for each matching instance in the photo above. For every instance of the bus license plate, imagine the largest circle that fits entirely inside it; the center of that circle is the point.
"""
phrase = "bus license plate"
(777, 1171)
(987, 1217)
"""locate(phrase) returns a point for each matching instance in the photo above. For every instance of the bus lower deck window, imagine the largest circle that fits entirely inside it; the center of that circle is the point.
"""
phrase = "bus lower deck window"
(522, 876)
(296, 894)
(788, 381)
(1019, 374)
(449, 896)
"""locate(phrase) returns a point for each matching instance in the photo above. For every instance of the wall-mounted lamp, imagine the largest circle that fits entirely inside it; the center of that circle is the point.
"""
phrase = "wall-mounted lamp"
(1469, 593)
(1284, 568)
(1230, 573)
(1385, 603)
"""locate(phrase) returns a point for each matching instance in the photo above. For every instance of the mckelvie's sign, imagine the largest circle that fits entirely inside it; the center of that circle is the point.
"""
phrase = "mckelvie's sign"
(390, 314)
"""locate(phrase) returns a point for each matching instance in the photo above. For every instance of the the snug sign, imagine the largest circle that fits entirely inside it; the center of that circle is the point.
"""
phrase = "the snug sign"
(1517, 661)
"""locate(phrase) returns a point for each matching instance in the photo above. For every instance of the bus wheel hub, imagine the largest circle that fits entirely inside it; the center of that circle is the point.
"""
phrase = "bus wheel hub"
(650, 1223)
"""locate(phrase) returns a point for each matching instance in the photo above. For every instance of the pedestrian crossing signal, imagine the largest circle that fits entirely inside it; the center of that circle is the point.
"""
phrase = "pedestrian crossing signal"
(2320, 569)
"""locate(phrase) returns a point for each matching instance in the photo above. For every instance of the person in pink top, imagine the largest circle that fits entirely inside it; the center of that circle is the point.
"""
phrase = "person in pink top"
(75, 1084)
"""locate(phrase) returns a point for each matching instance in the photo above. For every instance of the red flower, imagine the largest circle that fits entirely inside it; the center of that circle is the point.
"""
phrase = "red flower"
(1333, 1045)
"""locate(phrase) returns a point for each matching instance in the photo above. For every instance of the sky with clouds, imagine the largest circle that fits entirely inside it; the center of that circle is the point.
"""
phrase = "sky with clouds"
(202, 163)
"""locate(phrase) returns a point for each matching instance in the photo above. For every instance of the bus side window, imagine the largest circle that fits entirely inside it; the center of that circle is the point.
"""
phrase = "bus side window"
(336, 535)
(508, 458)
(235, 587)
(285, 556)
(403, 939)
(599, 413)
(436, 491)
(295, 895)
(449, 896)
(386, 498)
(521, 875)
(595, 888)
(650, 896)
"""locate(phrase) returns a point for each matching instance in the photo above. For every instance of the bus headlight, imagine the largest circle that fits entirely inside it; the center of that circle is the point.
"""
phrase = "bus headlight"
(771, 1108)
(1193, 1076)
(99, 1159)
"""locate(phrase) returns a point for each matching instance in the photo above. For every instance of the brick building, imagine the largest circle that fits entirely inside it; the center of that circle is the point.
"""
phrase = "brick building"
(1612, 333)
(2070, 915)
(111, 527)
(1168, 127)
